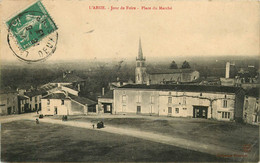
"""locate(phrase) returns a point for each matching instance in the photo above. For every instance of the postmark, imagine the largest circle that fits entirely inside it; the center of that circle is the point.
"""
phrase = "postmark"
(32, 34)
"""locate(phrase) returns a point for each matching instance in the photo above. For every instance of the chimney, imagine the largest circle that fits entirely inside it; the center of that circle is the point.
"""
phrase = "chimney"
(227, 69)
(103, 91)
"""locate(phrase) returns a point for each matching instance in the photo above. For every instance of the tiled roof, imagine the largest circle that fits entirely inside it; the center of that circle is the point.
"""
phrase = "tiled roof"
(186, 88)
(56, 96)
(169, 71)
(109, 94)
(35, 93)
(22, 97)
(41, 91)
(69, 78)
(71, 87)
(254, 92)
(82, 100)
(7, 90)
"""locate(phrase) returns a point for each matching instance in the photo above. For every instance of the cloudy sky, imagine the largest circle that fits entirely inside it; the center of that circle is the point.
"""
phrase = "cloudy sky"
(191, 28)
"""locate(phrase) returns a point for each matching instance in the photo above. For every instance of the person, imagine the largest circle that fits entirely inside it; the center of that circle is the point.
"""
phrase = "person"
(93, 125)
(37, 121)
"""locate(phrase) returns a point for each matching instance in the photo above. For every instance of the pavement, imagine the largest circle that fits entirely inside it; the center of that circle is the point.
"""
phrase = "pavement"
(212, 149)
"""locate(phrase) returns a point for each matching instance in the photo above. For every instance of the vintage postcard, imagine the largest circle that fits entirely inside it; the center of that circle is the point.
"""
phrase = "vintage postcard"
(129, 80)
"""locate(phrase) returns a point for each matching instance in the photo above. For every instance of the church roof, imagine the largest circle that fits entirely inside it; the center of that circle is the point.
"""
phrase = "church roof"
(169, 71)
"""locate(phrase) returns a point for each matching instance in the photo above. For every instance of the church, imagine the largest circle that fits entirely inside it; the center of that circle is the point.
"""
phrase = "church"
(164, 76)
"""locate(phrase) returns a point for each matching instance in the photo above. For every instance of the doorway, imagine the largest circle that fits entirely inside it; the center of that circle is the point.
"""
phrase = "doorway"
(200, 112)
(55, 110)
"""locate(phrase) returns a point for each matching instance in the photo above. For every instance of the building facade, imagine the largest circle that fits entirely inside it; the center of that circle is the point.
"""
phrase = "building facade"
(23, 104)
(63, 103)
(221, 103)
(8, 102)
(251, 111)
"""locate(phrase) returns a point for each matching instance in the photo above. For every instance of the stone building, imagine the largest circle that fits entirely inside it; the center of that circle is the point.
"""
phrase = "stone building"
(197, 101)
(251, 111)
(63, 103)
(8, 101)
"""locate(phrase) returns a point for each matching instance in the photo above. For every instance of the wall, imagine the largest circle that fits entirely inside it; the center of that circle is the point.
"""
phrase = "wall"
(8, 100)
(49, 109)
(35, 100)
(134, 98)
(77, 109)
(251, 110)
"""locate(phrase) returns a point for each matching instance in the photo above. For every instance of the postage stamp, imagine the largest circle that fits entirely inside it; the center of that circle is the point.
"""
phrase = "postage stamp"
(32, 34)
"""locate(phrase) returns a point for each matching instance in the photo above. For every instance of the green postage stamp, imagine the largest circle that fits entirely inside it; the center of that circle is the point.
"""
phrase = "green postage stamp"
(31, 25)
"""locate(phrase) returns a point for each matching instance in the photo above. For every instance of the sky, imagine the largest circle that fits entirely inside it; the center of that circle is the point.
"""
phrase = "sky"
(190, 28)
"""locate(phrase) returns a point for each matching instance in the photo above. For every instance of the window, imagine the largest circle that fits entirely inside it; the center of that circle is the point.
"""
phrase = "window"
(35, 99)
(48, 101)
(152, 99)
(224, 103)
(30, 98)
(138, 109)
(124, 98)
(170, 110)
(184, 108)
(246, 104)
(226, 115)
(176, 110)
(200, 94)
(169, 100)
(62, 102)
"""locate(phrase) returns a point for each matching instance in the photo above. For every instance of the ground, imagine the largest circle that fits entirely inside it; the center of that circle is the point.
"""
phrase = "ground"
(126, 138)
(27, 141)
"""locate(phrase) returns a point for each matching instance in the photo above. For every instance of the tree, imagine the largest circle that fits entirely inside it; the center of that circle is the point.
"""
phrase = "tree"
(185, 65)
(173, 65)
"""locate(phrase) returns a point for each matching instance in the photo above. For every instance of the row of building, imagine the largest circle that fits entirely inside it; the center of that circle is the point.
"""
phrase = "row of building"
(162, 93)
(65, 88)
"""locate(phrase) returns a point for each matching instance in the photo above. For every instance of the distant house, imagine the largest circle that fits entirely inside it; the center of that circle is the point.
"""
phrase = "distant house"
(8, 101)
(64, 103)
(69, 78)
(23, 104)
(35, 96)
(251, 110)
(197, 101)
(106, 102)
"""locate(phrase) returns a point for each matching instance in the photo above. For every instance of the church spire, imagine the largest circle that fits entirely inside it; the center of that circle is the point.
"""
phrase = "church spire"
(140, 52)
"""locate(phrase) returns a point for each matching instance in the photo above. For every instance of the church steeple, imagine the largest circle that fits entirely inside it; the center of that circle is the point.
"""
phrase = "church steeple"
(140, 70)
(140, 52)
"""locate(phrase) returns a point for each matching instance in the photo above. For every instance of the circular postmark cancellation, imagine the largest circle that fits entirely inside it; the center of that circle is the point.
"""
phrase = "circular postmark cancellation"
(32, 34)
